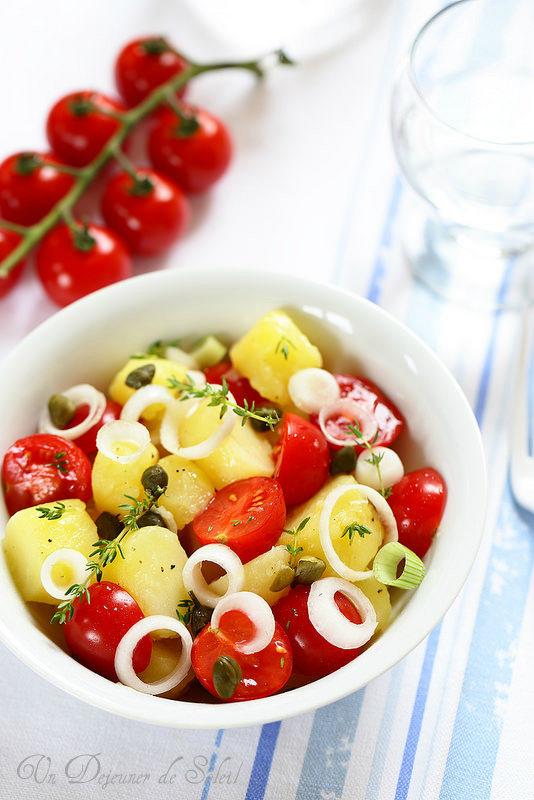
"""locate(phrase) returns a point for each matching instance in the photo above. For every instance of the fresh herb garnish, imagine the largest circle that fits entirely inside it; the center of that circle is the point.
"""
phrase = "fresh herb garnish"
(283, 345)
(374, 458)
(60, 462)
(52, 513)
(355, 528)
(292, 547)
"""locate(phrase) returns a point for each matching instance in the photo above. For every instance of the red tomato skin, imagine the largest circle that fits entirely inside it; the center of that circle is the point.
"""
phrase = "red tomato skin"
(238, 385)
(148, 223)
(87, 440)
(138, 71)
(418, 501)
(31, 477)
(27, 198)
(194, 162)
(68, 273)
(264, 673)
(78, 138)
(96, 628)
(248, 516)
(302, 459)
(8, 241)
(313, 656)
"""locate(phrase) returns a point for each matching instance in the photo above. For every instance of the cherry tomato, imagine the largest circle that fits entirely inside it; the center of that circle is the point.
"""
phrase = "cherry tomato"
(195, 160)
(8, 241)
(248, 516)
(263, 673)
(42, 468)
(71, 264)
(388, 418)
(149, 212)
(96, 628)
(79, 125)
(418, 501)
(144, 64)
(30, 186)
(238, 385)
(87, 441)
(302, 459)
(312, 654)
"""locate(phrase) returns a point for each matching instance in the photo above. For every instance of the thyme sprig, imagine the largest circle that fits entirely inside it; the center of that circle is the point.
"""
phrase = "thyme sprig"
(52, 513)
(355, 528)
(374, 457)
(292, 548)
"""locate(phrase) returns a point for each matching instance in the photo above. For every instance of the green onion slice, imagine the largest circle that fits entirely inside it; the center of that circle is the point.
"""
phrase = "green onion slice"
(386, 564)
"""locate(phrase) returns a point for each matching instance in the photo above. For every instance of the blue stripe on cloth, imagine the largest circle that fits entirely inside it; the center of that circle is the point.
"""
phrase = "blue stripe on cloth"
(328, 755)
(263, 761)
(213, 760)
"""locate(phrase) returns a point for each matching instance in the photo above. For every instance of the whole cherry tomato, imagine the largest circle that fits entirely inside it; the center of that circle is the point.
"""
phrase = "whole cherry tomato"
(312, 654)
(238, 385)
(87, 440)
(8, 241)
(149, 211)
(263, 673)
(42, 468)
(418, 501)
(193, 157)
(248, 516)
(30, 186)
(74, 262)
(144, 64)
(95, 629)
(302, 459)
(79, 125)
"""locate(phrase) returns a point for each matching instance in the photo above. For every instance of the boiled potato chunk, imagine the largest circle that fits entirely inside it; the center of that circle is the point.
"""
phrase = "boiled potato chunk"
(164, 370)
(378, 594)
(165, 654)
(243, 454)
(30, 538)
(260, 573)
(271, 352)
(115, 483)
(151, 570)
(189, 489)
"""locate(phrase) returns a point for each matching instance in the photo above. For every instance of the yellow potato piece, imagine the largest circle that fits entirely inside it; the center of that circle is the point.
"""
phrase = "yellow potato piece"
(165, 369)
(189, 490)
(165, 654)
(114, 484)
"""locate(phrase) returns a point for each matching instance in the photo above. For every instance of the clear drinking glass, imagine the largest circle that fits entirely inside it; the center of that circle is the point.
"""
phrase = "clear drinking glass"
(463, 131)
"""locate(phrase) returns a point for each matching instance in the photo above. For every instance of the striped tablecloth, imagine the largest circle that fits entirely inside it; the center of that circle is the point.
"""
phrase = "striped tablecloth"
(314, 190)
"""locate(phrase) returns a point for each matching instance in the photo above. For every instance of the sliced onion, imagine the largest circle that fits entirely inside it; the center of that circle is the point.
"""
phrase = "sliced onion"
(169, 432)
(179, 356)
(331, 623)
(385, 516)
(259, 613)
(218, 554)
(312, 388)
(144, 397)
(119, 431)
(82, 393)
(390, 468)
(124, 654)
(167, 518)
(75, 561)
(353, 411)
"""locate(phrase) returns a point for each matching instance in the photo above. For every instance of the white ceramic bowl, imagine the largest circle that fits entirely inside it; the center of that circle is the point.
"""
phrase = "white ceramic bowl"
(87, 341)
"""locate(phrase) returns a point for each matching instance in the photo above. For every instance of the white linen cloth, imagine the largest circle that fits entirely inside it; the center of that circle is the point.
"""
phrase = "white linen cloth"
(314, 190)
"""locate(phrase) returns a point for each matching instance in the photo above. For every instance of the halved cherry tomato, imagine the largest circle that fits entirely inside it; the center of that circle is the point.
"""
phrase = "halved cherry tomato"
(30, 185)
(248, 516)
(313, 656)
(8, 241)
(87, 440)
(79, 125)
(238, 385)
(263, 673)
(43, 468)
(302, 459)
(144, 64)
(418, 501)
(95, 629)
(196, 160)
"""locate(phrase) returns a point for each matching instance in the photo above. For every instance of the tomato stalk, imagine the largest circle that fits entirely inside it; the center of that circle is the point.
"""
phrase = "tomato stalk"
(31, 235)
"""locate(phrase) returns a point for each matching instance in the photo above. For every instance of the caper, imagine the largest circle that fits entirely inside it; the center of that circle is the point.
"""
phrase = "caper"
(283, 578)
(61, 410)
(200, 617)
(140, 376)
(309, 569)
(150, 518)
(226, 676)
(108, 526)
(264, 411)
(155, 480)
(344, 461)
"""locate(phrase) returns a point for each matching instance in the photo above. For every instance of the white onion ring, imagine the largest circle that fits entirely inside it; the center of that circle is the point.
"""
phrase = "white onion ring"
(179, 356)
(144, 397)
(167, 518)
(352, 410)
(121, 430)
(385, 515)
(312, 388)
(224, 557)
(259, 613)
(79, 394)
(124, 654)
(331, 623)
(390, 466)
(169, 433)
(75, 560)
